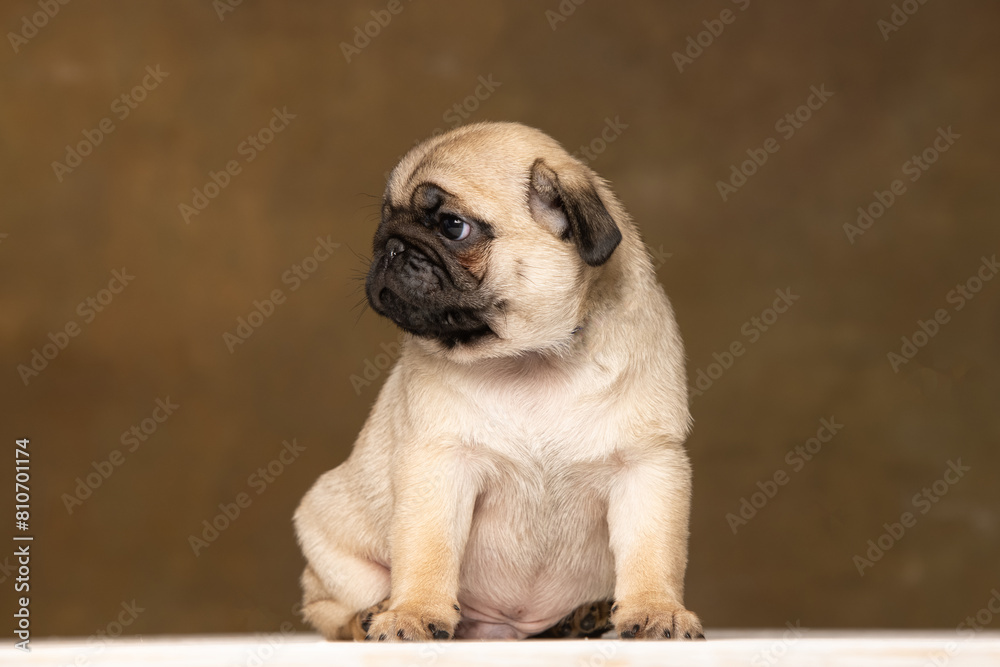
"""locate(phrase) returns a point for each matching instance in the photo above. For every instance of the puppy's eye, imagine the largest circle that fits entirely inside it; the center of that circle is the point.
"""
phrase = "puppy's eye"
(454, 228)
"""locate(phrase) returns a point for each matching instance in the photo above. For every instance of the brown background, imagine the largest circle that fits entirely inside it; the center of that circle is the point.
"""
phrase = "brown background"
(322, 175)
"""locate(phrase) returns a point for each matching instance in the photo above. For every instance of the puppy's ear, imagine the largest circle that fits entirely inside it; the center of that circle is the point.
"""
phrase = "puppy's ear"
(573, 210)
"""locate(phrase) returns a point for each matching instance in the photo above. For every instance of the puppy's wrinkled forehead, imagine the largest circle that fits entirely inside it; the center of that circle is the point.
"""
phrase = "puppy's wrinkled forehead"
(487, 167)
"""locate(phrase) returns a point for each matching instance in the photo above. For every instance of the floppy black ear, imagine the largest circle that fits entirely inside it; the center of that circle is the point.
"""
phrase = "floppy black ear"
(573, 208)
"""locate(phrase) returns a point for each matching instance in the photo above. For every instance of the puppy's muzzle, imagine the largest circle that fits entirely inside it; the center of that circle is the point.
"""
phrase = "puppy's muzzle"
(416, 273)
(394, 247)
(408, 285)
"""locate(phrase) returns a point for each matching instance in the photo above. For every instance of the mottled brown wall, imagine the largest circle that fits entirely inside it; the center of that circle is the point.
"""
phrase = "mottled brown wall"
(720, 261)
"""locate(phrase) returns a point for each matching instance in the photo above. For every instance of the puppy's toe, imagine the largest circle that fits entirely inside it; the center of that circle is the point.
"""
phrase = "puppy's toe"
(361, 622)
(686, 625)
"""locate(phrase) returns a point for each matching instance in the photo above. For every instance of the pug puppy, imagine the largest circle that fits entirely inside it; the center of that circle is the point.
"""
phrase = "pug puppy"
(522, 471)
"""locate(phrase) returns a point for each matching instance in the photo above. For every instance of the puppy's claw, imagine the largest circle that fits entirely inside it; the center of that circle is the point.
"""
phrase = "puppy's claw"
(438, 634)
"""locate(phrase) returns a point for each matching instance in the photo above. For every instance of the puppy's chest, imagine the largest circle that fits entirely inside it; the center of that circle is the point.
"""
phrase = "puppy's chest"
(544, 423)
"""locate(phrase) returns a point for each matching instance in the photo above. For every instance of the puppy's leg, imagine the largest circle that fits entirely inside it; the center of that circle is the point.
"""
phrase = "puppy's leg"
(648, 510)
(432, 514)
(333, 616)
(340, 530)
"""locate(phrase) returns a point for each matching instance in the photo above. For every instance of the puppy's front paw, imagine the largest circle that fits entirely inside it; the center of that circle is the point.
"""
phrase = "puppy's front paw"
(654, 618)
(415, 622)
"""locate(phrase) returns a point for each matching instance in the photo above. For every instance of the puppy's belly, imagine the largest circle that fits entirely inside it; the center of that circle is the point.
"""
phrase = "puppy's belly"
(531, 559)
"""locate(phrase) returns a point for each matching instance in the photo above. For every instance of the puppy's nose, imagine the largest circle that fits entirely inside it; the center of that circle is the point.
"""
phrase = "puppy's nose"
(394, 247)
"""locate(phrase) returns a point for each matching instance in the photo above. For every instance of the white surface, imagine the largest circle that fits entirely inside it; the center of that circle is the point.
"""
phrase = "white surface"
(732, 647)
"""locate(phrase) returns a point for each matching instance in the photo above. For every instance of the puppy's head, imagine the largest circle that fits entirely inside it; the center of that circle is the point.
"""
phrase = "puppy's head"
(490, 239)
